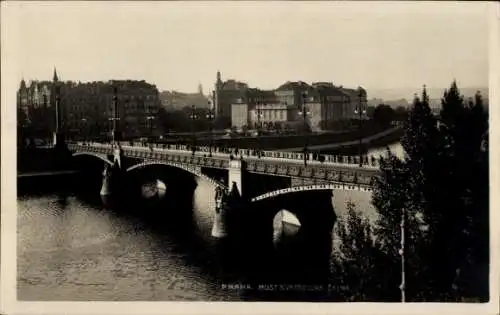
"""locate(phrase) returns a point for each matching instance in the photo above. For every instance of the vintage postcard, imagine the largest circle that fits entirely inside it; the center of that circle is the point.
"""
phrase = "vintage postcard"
(249, 157)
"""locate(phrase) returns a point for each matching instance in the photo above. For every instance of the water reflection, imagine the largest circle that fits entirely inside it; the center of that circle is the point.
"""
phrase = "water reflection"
(77, 245)
(285, 224)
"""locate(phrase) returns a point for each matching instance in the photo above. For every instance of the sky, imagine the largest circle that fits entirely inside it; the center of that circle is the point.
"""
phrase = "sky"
(177, 45)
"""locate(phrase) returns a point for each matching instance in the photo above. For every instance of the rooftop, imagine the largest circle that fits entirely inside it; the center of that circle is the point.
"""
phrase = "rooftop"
(289, 85)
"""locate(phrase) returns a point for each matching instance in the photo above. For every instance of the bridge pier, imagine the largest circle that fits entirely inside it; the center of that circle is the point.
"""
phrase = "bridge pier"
(106, 181)
(111, 172)
(228, 201)
(236, 175)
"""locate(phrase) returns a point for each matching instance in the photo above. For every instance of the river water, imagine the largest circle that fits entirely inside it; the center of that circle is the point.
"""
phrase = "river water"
(74, 246)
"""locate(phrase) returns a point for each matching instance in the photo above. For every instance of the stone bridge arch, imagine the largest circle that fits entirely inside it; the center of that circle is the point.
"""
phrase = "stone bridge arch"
(100, 156)
(191, 169)
(312, 205)
(317, 187)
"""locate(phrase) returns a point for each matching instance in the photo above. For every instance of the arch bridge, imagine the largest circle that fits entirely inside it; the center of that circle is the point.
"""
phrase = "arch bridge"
(100, 156)
(241, 169)
(186, 167)
(257, 179)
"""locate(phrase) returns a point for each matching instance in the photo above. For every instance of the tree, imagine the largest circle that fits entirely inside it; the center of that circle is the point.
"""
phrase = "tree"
(174, 121)
(370, 110)
(358, 260)
(442, 188)
(413, 186)
(400, 113)
(466, 163)
(392, 198)
(222, 123)
(383, 115)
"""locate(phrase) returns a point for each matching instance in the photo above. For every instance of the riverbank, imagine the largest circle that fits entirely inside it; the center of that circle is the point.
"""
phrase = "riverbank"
(280, 142)
(47, 173)
(43, 159)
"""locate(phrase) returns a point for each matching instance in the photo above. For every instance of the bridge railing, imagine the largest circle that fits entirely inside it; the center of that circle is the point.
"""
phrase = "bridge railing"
(293, 157)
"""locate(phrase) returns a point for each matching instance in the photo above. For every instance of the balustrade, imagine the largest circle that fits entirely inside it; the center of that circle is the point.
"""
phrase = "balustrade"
(241, 153)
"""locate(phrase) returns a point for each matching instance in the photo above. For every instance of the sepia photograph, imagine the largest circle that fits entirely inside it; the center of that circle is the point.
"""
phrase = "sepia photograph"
(249, 151)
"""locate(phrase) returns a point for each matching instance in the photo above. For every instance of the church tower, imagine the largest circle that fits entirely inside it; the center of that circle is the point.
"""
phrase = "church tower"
(55, 78)
(23, 84)
(217, 91)
(22, 94)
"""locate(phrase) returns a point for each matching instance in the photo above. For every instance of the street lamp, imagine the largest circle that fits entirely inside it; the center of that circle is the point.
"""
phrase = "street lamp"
(360, 111)
(150, 118)
(304, 113)
(193, 117)
(115, 119)
(113, 131)
(210, 116)
(259, 124)
(84, 122)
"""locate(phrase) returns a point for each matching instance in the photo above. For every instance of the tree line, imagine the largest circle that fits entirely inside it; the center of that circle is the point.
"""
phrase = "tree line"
(440, 193)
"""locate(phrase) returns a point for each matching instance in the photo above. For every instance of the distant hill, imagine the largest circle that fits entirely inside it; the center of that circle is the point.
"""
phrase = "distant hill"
(408, 93)
(404, 97)
(393, 103)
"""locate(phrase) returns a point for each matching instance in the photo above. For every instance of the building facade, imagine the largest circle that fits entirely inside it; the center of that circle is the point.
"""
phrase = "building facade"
(227, 93)
(272, 115)
(323, 104)
(291, 93)
(356, 98)
(240, 116)
(261, 109)
(35, 107)
(86, 109)
(327, 104)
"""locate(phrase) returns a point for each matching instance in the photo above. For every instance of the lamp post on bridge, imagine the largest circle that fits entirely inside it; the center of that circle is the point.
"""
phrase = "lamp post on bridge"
(84, 123)
(150, 119)
(259, 124)
(210, 116)
(304, 113)
(193, 118)
(360, 111)
(113, 131)
(115, 136)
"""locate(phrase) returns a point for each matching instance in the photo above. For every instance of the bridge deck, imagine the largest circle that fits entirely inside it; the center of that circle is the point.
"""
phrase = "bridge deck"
(248, 157)
(315, 172)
